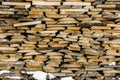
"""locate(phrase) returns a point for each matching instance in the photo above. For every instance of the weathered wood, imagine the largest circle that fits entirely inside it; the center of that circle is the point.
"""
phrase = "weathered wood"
(77, 38)
(6, 12)
(37, 2)
(16, 3)
(27, 23)
(77, 3)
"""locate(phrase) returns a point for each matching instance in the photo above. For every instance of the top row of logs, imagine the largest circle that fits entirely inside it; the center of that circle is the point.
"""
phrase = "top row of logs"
(59, 2)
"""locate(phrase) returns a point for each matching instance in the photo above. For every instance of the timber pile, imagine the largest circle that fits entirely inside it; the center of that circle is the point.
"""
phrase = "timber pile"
(79, 38)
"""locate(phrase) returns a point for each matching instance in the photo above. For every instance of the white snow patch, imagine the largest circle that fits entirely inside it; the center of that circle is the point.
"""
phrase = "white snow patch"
(39, 75)
(27, 6)
(11, 9)
(30, 72)
(51, 76)
(112, 64)
(4, 71)
(67, 78)
(13, 77)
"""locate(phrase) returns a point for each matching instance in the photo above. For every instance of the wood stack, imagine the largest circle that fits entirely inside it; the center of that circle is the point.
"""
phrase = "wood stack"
(79, 38)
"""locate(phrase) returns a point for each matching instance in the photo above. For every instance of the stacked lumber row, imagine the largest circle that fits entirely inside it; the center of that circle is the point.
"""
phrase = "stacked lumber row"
(64, 37)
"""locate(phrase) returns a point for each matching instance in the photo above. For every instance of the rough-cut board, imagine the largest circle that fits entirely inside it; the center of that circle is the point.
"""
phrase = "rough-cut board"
(42, 3)
(77, 38)
(77, 3)
(26, 23)
(6, 12)
(16, 3)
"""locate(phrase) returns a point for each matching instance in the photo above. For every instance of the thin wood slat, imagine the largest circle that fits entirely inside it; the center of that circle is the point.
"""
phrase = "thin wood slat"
(36, 2)
(16, 3)
(77, 3)
(26, 23)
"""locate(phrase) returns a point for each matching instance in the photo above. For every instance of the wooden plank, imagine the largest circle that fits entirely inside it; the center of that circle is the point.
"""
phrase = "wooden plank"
(37, 2)
(77, 3)
(16, 3)
(6, 12)
(64, 11)
(106, 6)
(26, 23)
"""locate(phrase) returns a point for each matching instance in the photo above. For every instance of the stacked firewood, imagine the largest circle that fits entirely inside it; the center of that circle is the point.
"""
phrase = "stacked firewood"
(78, 38)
